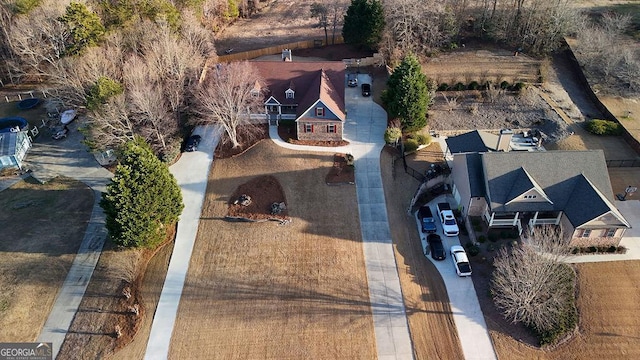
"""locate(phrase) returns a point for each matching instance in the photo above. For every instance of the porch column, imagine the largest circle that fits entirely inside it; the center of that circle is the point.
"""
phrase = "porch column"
(535, 218)
(515, 219)
(558, 218)
(491, 220)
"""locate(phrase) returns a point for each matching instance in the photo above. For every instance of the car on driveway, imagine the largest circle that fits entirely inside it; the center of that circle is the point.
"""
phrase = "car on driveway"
(192, 143)
(460, 261)
(436, 247)
(448, 220)
(352, 80)
(426, 219)
(366, 89)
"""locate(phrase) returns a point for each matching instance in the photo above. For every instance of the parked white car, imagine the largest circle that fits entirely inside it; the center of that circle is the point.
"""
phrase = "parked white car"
(460, 261)
(449, 224)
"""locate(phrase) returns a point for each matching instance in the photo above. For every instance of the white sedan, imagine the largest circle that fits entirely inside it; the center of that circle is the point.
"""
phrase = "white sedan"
(460, 261)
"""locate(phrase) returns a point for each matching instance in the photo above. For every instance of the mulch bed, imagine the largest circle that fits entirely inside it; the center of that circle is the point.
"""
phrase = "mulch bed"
(246, 139)
(340, 172)
(264, 191)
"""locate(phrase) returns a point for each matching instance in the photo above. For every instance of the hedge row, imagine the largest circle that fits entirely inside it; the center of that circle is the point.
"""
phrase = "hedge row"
(474, 85)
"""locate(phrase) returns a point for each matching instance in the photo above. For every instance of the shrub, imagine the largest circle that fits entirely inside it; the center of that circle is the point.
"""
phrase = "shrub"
(592, 249)
(482, 239)
(392, 134)
(519, 86)
(493, 237)
(103, 89)
(422, 139)
(612, 249)
(473, 85)
(473, 250)
(475, 222)
(459, 87)
(604, 127)
(410, 145)
(443, 87)
(504, 85)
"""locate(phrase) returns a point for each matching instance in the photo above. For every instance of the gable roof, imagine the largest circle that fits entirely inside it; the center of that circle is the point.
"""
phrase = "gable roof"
(322, 80)
(473, 141)
(576, 182)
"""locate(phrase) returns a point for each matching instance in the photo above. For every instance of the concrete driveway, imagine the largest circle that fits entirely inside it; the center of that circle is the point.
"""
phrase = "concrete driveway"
(472, 329)
(366, 123)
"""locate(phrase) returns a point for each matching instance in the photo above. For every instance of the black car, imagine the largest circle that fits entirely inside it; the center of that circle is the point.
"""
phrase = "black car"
(192, 143)
(366, 89)
(437, 249)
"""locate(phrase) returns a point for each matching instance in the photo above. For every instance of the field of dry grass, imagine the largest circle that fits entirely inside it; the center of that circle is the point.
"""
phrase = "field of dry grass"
(609, 322)
(425, 295)
(269, 291)
(43, 226)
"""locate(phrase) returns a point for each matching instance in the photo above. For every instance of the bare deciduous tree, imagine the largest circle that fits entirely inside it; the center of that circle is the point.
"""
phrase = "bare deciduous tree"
(228, 97)
(530, 284)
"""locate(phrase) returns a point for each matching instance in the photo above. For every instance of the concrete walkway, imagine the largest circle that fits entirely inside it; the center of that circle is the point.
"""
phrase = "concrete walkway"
(48, 159)
(364, 130)
(472, 330)
(192, 173)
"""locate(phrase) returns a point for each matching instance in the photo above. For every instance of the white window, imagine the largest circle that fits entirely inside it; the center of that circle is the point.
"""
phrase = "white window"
(611, 232)
(319, 111)
(255, 93)
(308, 127)
(289, 94)
(586, 233)
(331, 129)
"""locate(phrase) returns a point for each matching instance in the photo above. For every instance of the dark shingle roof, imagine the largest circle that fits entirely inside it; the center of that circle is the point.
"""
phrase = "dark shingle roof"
(311, 80)
(566, 177)
(476, 180)
(473, 141)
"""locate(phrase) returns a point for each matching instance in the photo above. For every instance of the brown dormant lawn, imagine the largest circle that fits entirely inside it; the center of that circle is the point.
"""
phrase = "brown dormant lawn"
(42, 228)
(270, 291)
(609, 323)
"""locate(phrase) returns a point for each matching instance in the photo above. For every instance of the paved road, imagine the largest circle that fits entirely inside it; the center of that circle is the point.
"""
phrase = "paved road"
(472, 330)
(192, 172)
(48, 159)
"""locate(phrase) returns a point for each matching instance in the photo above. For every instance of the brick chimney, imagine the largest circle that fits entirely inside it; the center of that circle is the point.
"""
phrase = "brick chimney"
(504, 140)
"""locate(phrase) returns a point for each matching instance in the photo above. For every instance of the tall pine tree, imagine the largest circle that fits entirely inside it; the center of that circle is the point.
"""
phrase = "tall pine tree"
(363, 23)
(143, 198)
(407, 95)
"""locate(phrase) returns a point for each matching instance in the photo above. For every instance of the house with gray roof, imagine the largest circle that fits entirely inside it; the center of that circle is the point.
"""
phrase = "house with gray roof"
(570, 189)
(309, 93)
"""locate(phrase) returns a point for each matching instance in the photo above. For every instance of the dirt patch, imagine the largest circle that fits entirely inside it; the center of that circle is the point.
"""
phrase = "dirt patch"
(465, 110)
(43, 228)
(341, 172)
(105, 305)
(263, 192)
(260, 290)
(247, 139)
(274, 24)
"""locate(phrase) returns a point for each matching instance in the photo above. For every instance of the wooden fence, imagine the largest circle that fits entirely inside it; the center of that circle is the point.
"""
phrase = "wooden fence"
(274, 50)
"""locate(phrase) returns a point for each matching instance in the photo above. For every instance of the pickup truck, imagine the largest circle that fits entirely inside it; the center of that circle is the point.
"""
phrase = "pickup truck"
(427, 220)
(447, 219)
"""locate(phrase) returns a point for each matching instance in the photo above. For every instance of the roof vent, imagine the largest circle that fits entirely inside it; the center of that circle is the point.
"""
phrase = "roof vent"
(286, 55)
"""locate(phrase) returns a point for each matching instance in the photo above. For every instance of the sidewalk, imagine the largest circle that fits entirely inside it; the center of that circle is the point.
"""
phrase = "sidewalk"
(192, 173)
(71, 159)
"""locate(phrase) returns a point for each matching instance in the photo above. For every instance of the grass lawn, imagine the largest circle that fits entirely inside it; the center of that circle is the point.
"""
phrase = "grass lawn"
(43, 226)
(269, 291)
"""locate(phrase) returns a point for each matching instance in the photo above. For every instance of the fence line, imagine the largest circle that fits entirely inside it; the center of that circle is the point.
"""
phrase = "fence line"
(623, 163)
(277, 49)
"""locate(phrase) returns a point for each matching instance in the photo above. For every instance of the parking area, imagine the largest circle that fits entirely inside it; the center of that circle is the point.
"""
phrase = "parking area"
(467, 315)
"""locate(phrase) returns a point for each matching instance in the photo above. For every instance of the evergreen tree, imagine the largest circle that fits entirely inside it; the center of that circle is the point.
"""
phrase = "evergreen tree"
(85, 28)
(142, 199)
(363, 23)
(407, 95)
